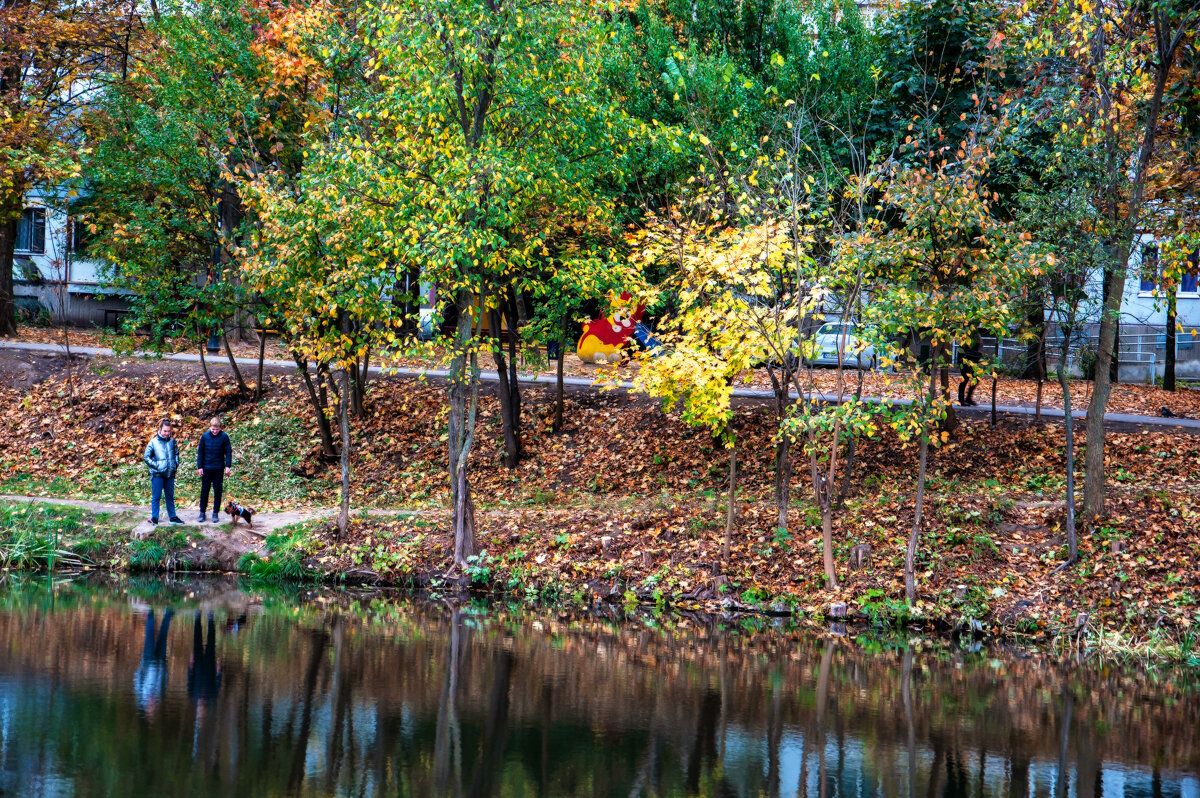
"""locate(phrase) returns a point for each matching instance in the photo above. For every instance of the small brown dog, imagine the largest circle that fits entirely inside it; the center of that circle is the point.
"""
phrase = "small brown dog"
(236, 511)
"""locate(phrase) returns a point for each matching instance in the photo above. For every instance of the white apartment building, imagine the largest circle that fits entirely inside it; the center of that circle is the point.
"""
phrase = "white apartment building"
(50, 278)
(1144, 315)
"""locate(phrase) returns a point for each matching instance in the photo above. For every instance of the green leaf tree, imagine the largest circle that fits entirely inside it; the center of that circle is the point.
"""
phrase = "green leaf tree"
(486, 112)
(942, 273)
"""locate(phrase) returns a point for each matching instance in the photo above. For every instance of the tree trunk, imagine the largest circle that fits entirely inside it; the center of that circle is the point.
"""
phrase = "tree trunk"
(774, 741)
(783, 482)
(358, 383)
(831, 582)
(1041, 364)
(1072, 538)
(344, 415)
(10, 211)
(558, 397)
(851, 450)
(910, 557)
(1113, 371)
(1169, 365)
(341, 717)
(317, 397)
(509, 416)
(730, 510)
(491, 759)
(1114, 368)
(304, 735)
(1093, 481)
(823, 483)
(950, 420)
(66, 333)
(909, 720)
(464, 401)
(1068, 700)
(60, 291)
(1035, 352)
(994, 381)
(821, 700)
(1064, 740)
(212, 386)
(446, 731)
(237, 373)
(364, 379)
(851, 462)
(514, 384)
(262, 356)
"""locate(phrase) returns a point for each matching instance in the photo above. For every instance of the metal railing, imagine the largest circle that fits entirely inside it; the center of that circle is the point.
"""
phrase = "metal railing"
(1141, 352)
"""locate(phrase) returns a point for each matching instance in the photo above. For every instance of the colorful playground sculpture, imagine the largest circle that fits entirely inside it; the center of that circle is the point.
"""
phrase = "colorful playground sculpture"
(605, 337)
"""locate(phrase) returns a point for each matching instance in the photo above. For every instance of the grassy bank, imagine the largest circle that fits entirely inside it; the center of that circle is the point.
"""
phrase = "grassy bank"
(269, 468)
(627, 505)
(42, 536)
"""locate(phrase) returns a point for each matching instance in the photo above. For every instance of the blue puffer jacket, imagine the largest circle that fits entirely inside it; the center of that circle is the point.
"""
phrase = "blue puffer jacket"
(214, 451)
(162, 457)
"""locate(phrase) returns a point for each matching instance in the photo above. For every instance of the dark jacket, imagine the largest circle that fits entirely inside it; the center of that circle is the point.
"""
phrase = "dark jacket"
(162, 457)
(214, 451)
(972, 353)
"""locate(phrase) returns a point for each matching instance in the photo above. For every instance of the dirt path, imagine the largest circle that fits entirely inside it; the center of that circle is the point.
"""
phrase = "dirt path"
(94, 507)
(229, 535)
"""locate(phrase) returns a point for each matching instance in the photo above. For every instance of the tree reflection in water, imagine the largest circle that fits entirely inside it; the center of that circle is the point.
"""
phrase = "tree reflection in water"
(367, 695)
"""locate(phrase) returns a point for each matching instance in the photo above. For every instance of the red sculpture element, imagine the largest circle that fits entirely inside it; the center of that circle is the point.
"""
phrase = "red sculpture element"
(603, 338)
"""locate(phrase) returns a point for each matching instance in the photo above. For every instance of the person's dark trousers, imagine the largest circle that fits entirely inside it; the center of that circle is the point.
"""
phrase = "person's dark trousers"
(156, 645)
(211, 478)
(162, 488)
(966, 388)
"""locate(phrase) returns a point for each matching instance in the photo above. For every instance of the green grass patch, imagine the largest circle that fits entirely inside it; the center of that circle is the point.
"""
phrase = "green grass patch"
(30, 485)
(44, 536)
(153, 552)
(286, 548)
(266, 451)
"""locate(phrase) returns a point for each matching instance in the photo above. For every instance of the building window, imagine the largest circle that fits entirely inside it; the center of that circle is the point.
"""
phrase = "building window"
(31, 231)
(1190, 282)
(1149, 270)
(78, 236)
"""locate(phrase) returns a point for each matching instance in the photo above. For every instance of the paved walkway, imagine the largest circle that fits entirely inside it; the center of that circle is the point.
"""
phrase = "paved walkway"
(1119, 421)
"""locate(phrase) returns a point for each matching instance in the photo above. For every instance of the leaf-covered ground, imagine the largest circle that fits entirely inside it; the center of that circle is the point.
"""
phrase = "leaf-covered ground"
(1136, 399)
(628, 502)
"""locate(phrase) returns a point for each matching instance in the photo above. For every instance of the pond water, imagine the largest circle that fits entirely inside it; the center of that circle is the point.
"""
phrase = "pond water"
(211, 688)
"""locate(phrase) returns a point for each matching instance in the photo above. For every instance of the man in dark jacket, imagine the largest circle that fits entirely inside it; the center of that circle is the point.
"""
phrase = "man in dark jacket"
(162, 458)
(214, 460)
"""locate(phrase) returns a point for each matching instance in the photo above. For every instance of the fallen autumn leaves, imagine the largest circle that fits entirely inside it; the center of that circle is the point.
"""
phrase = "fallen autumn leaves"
(628, 504)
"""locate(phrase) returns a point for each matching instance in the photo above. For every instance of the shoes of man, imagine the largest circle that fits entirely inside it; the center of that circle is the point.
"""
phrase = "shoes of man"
(176, 520)
(154, 521)
(203, 517)
(216, 515)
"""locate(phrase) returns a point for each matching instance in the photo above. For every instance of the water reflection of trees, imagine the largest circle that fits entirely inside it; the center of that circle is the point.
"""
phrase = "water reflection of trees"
(431, 700)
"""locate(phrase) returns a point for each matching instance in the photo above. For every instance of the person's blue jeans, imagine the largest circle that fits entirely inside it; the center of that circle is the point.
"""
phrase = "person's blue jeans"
(160, 488)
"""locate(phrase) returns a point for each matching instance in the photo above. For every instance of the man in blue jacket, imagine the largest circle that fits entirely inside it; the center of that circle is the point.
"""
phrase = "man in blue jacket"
(214, 460)
(162, 459)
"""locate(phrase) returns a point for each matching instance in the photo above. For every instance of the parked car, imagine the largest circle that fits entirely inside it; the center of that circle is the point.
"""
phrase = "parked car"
(833, 337)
